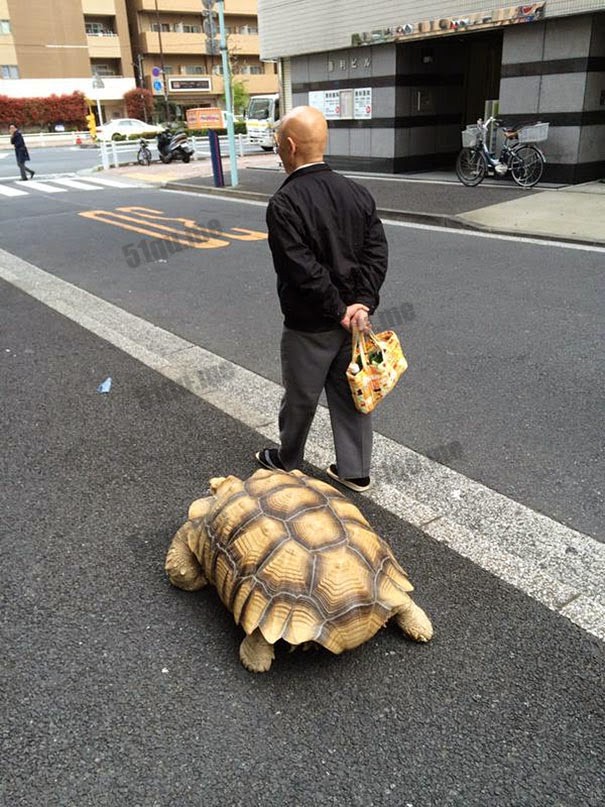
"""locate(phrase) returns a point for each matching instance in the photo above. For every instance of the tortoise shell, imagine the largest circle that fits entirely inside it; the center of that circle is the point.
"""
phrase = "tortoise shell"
(293, 557)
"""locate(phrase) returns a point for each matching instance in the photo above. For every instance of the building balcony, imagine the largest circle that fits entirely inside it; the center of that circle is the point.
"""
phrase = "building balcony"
(243, 44)
(195, 44)
(102, 8)
(172, 43)
(212, 85)
(103, 47)
(249, 8)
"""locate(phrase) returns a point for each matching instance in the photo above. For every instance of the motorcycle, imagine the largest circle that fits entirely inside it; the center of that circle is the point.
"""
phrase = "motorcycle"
(174, 146)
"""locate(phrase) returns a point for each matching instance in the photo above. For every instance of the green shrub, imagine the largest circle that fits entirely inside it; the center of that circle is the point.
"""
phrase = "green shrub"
(146, 135)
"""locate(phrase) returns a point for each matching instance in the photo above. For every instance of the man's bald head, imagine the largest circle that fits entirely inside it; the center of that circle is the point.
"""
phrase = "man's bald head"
(302, 137)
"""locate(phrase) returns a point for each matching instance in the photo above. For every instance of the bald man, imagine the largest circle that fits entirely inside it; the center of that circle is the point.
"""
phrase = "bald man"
(330, 254)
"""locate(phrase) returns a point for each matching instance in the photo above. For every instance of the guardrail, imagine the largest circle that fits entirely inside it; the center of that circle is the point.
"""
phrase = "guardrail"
(42, 139)
(115, 153)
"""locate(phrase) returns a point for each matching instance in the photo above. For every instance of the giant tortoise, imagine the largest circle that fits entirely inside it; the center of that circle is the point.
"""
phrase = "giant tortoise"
(293, 559)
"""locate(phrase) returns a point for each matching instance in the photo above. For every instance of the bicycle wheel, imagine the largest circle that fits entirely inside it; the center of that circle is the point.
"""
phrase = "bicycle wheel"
(527, 165)
(471, 166)
(144, 156)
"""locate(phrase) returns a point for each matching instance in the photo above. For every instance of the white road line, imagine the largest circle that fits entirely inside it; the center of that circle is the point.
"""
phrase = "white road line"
(77, 184)
(557, 566)
(111, 183)
(542, 242)
(7, 190)
(38, 185)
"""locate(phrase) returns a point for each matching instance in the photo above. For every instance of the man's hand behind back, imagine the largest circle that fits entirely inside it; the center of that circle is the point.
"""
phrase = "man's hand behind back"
(356, 315)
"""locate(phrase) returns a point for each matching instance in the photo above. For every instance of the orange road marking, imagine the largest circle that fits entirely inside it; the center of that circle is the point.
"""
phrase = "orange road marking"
(190, 224)
(189, 239)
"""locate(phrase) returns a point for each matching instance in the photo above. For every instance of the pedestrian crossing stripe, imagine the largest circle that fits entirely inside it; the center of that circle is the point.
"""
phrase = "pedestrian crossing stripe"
(7, 190)
(38, 185)
(61, 185)
(77, 184)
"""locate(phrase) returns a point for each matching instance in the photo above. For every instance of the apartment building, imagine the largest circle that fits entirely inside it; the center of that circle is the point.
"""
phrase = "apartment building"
(398, 79)
(58, 46)
(169, 41)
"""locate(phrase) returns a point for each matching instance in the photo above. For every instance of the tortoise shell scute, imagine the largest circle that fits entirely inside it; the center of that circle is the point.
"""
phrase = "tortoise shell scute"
(293, 557)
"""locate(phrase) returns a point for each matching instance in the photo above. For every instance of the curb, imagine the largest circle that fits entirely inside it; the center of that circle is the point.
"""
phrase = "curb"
(453, 222)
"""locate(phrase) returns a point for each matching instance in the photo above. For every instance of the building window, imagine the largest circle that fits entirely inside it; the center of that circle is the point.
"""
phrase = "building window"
(163, 27)
(103, 70)
(217, 70)
(168, 69)
(195, 69)
(247, 30)
(251, 70)
(5, 26)
(10, 71)
(192, 29)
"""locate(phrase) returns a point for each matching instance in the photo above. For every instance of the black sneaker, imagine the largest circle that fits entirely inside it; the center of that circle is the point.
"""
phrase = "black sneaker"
(32, 173)
(359, 485)
(269, 458)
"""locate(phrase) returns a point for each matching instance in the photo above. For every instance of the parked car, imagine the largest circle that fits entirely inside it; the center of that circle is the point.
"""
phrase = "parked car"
(125, 126)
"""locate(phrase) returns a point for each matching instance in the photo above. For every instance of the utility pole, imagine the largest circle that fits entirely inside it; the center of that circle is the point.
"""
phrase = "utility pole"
(228, 98)
(166, 104)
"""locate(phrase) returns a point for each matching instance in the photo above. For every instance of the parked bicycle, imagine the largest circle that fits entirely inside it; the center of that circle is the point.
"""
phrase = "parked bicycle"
(144, 153)
(518, 154)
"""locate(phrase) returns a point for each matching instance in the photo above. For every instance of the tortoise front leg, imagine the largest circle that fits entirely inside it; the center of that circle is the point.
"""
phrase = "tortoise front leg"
(255, 652)
(413, 621)
(182, 566)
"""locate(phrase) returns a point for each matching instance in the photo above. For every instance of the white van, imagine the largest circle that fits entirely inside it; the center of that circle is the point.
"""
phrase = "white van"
(262, 118)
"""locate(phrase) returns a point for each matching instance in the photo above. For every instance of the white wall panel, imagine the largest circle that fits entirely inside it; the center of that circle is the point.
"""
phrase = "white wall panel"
(290, 27)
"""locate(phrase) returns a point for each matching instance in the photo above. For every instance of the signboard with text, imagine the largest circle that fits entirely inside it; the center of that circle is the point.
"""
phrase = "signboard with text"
(190, 84)
(345, 104)
(205, 118)
(409, 29)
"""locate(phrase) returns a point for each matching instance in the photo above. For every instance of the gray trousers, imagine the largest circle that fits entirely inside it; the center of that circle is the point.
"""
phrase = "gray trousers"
(23, 168)
(311, 362)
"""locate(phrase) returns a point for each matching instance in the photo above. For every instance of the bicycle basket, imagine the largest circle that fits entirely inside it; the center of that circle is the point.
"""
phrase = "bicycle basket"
(533, 134)
(470, 136)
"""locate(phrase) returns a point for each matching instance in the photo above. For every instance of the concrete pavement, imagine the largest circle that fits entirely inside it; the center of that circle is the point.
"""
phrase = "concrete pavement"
(574, 213)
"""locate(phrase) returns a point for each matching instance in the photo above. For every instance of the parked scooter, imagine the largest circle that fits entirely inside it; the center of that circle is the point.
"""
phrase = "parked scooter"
(174, 146)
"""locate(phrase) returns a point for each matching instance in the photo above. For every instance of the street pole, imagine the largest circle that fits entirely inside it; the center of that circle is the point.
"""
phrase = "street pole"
(228, 99)
(98, 84)
(166, 105)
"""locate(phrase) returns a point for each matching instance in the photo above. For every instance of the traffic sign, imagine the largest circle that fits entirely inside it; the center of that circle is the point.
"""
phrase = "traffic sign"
(210, 25)
(157, 86)
(156, 71)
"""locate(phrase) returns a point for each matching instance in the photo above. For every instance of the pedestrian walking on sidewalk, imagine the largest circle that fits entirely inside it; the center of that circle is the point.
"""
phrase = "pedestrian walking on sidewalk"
(330, 254)
(21, 152)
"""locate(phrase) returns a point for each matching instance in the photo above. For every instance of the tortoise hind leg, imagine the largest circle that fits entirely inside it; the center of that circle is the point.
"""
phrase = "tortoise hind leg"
(182, 566)
(255, 652)
(413, 621)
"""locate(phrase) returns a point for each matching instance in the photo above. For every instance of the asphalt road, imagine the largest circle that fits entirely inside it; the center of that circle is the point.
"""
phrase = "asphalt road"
(66, 159)
(45, 161)
(502, 337)
(118, 689)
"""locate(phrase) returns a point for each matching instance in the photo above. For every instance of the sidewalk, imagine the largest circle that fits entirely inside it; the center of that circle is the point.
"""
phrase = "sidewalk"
(574, 213)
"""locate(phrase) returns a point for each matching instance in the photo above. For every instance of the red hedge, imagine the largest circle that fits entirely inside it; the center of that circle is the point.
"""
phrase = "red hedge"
(70, 110)
(137, 102)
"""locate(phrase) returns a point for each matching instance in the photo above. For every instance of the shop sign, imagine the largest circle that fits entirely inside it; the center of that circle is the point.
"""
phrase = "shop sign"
(404, 31)
(346, 104)
(188, 85)
(205, 118)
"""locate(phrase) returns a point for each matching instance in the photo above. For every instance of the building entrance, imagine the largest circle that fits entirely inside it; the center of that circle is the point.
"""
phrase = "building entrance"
(482, 73)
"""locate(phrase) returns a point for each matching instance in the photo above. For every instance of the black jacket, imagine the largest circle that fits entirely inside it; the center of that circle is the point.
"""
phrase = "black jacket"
(328, 245)
(18, 142)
